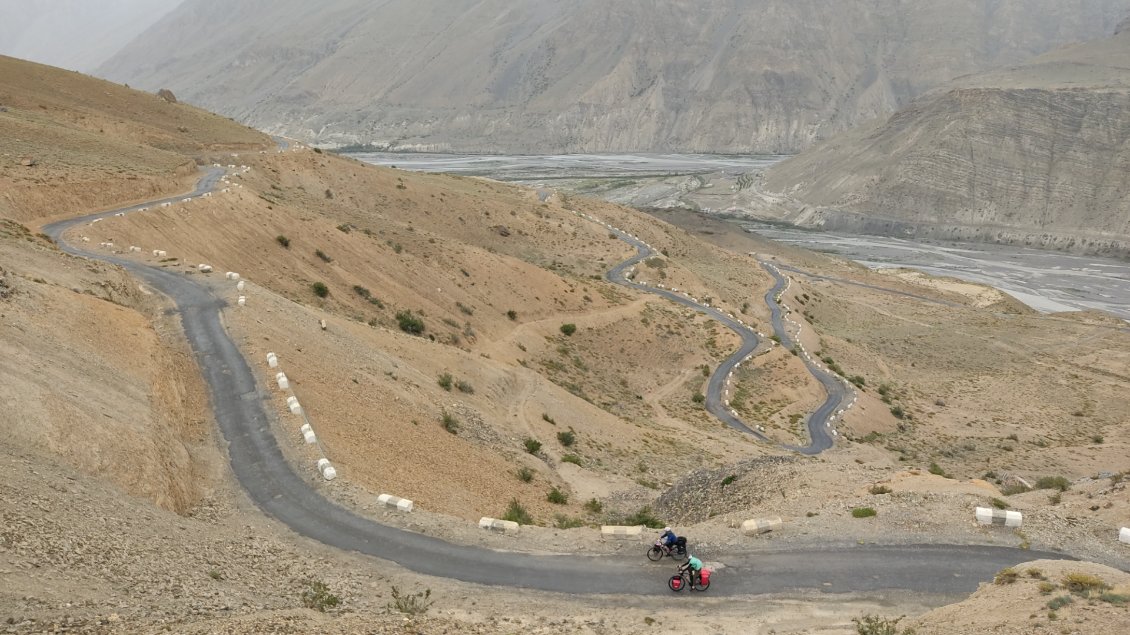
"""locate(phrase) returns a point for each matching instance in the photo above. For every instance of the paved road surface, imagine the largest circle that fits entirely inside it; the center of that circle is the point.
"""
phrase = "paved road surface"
(294, 500)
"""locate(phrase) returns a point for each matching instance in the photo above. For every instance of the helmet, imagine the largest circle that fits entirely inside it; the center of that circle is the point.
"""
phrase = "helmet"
(666, 529)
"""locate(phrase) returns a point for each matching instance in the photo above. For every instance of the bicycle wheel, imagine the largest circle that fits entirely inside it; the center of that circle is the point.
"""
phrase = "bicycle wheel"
(676, 583)
(702, 586)
(655, 554)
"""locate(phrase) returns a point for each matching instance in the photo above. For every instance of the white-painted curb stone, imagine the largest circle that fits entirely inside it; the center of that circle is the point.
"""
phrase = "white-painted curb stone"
(295, 407)
(284, 383)
(987, 516)
(1124, 535)
(757, 526)
(232, 275)
(493, 524)
(401, 504)
(621, 532)
(272, 360)
(327, 470)
(308, 434)
(204, 268)
(242, 301)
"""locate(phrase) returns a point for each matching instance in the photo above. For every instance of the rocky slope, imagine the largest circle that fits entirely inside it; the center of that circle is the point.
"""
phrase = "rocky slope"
(585, 75)
(1033, 155)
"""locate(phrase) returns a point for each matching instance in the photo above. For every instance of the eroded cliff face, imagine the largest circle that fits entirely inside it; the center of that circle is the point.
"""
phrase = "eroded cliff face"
(1037, 155)
(585, 75)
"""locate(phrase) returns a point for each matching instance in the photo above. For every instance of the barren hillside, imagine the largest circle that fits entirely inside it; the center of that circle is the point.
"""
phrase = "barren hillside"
(1032, 155)
(585, 75)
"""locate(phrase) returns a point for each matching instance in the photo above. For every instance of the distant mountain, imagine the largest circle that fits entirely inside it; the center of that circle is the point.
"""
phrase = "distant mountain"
(74, 34)
(1038, 154)
(585, 75)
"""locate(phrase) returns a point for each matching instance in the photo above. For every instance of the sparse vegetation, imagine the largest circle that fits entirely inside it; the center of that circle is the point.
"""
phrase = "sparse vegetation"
(445, 381)
(594, 506)
(317, 596)
(548, 419)
(320, 289)
(566, 438)
(878, 489)
(698, 398)
(729, 479)
(568, 329)
(1006, 576)
(863, 512)
(898, 412)
(1083, 584)
(561, 521)
(409, 323)
(1053, 482)
(283, 240)
(465, 387)
(571, 458)
(416, 603)
(323, 255)
(644, 517)
(532, 445)
(515, 512)
(999, 504)
(525, 474)
(450, 423)
(1060, 602)
(937, 470)
(557, 497)
(512, 314)
(875, 625)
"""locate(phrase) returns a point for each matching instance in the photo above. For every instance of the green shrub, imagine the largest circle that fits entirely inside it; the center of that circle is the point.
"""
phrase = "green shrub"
(1060, 602)
(409, 323)
(729, 479)
(557, 497)
(317, 596)
(1006, 576)
(548, 419)
(566, 438)
(875, 625)
(512, 314)
(1046, 587)
(445, 381)
(321, 254)
(465, 387)
(1119, 599)
(450, 423)
(698, 397)
(936, 469)
(999, 504)
(412, 604)
(320, 289)
(878, 489)
(594, 506)
(1083, 583)
(525, 474)
(1053, 482)
(283, 240)
(863, 512)
(568, 329)
(571, 458)
(532, 445)
(898, 412)
(518, 514)
(561, 521)
(644, 517)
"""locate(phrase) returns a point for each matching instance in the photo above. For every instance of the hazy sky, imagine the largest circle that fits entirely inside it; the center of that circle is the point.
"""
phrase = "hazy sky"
(74, 34)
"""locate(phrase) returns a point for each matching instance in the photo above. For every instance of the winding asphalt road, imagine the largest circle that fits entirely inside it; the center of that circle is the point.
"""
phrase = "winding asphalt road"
(294, 500)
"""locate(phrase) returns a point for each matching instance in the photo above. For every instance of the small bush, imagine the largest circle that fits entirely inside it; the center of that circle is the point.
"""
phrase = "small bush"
(561, 521)
(878, 489)
(465, 387)
(317, 596)
(445, 381)
(1053, 482)
(450, 423)
(557, 497)
(1006, 576)
(1118, 599)
(594, 506)
(409, 323)
(323, 255)
(875, 625)
(698, 397)
(1060, 602)
(548, 419)
(411, 604)
(566, 438)
(215, 575)
(1083, 583)
(1056, 498)
(729, 479)
(283, 240)
(936, 469)
(532, 445)
(512, 314)
(518, 514)
(1033, 572)
(1013, 490)
(568, 329)
(1097, 439)
(863, 512)
(999, 504)
(525, 474)
(320, 289)
(898, 412)
(571, 458)
(646, 518)
(362, 291)
(1046, 587)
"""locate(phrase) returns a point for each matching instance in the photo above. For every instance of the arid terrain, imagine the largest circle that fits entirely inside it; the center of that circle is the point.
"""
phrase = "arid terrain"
(443, 356)
(544, 76)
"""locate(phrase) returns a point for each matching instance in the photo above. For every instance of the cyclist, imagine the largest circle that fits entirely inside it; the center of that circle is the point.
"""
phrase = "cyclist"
(669, 538)
(695, 566)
